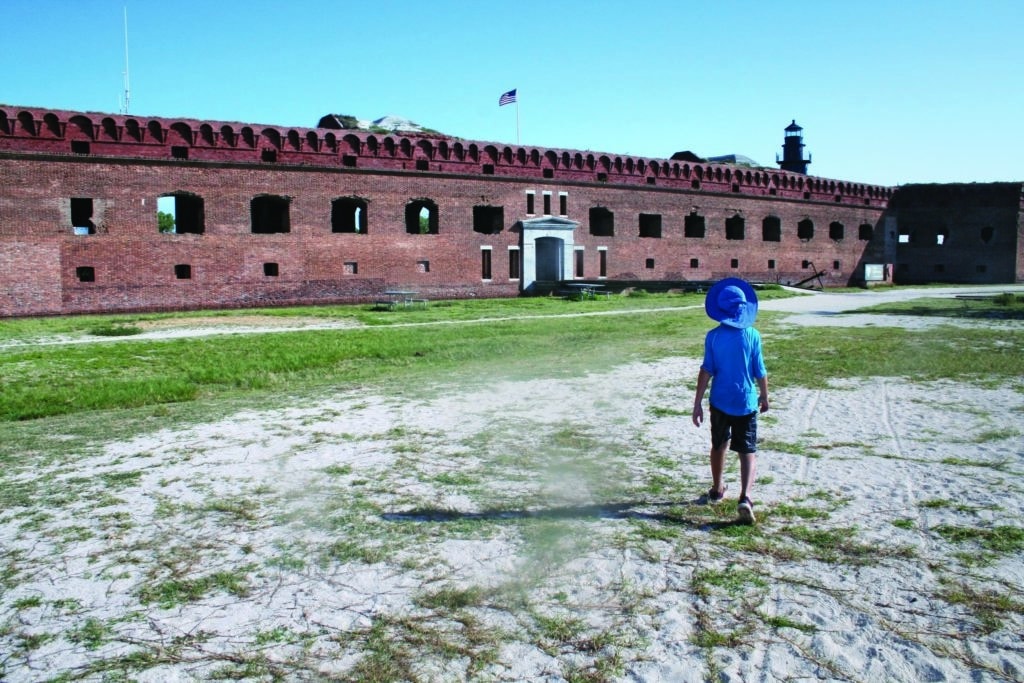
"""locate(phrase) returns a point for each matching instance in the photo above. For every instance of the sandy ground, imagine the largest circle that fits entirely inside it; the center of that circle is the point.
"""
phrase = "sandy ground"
(540, 530)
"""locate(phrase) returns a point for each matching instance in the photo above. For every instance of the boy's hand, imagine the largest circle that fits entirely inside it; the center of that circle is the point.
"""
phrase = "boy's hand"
(763, 403)
(698, 415)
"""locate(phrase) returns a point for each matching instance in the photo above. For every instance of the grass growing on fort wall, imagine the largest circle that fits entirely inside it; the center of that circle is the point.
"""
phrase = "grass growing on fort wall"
(521, 337)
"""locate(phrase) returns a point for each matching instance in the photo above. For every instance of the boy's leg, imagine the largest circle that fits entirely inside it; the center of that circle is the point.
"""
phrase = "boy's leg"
(748, 472)
(718, 466)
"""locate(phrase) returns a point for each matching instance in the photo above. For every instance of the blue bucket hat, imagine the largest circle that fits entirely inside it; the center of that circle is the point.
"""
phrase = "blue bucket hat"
(732, 302)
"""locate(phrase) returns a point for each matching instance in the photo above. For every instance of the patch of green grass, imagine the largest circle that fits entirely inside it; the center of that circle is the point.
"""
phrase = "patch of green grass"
(52, 380)
(451, 599)
(172, 592)
(779, 621)
(733, 580)
(990, 607)
(798, 512)
(115, 330)
(337, 470)
(92, 634)
(660, 411)
(999, 539)
(903, 523)
(28, 602)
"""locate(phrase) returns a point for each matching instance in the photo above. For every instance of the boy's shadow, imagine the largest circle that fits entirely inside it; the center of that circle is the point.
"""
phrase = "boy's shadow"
(673, 513)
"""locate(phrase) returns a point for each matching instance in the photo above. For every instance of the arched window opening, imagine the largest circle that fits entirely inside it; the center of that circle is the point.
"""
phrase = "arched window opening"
(602, 222)
(269, 214)
(735, 228)
(28, 124)
(134, 130)
(865, 232)
(349, 214)
(83, 126)
(206, 134)
(836, 231)
(227, 134)
(109, 128)
(294, 141)
(5, 124)
(406, 147)
(771, 229)
(313, 141)
(156, 132)
(182, 132)
(272, 137)
(249, 137)
(805, 229)
(421, 217)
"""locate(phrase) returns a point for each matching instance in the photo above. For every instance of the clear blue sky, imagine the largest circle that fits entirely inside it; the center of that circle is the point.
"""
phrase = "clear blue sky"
(887, 92)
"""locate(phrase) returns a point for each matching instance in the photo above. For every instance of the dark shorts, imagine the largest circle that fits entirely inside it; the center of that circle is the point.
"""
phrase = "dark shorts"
(741, 429)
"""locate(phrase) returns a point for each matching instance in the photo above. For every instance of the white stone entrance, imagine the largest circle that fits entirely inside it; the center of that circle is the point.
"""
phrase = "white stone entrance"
(547, 248)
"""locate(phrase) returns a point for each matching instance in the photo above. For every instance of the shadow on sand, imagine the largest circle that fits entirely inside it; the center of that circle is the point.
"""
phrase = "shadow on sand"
(683, 513)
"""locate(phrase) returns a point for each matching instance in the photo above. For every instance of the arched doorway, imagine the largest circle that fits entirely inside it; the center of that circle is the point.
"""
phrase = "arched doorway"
(547, 248)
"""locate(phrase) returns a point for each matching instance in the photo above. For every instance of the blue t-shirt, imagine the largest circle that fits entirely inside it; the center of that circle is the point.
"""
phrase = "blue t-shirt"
(733, 358)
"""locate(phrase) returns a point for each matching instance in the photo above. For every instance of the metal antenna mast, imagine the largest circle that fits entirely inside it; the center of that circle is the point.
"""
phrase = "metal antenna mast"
(127, 87)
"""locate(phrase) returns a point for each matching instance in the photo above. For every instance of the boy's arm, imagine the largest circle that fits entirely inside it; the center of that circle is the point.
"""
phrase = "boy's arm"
(762, 384)
(703, 377)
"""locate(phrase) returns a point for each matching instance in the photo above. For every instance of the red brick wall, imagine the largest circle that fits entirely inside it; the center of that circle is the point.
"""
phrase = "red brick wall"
(135, 265)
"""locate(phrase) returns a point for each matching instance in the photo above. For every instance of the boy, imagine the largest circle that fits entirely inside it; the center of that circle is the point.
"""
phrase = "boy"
(732, 357)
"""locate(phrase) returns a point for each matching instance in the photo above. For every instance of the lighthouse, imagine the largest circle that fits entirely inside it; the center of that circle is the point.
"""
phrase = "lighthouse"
(793, 150)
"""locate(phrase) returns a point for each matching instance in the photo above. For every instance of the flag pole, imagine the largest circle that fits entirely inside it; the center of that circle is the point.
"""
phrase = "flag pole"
(517, 120)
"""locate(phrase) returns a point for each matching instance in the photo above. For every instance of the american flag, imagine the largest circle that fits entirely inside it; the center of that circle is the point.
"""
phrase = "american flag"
(507, 98)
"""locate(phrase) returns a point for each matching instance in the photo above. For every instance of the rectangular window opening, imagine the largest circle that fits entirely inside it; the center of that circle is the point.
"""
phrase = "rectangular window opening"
(270, 269)
(80, 147)
(350, 268)
(547, 203)
(485, 263)
(423, 266)
(734, 263)
(183, 271)
(179, 152)
(649, 264)
(488, 220)
(563, 204)
(513, 263)
(85, 274)
(268, 155)
(578, 254)
(530, 197)
(602, 263)
(771, 264)
(695, 263)
(81, 216)
(650, 225)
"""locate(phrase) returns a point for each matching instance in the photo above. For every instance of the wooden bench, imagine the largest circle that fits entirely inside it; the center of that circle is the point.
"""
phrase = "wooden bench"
(384, 303)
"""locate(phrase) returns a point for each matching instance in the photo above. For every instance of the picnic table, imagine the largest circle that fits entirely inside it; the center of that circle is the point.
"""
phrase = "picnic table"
(401, 296)
(585, 290)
